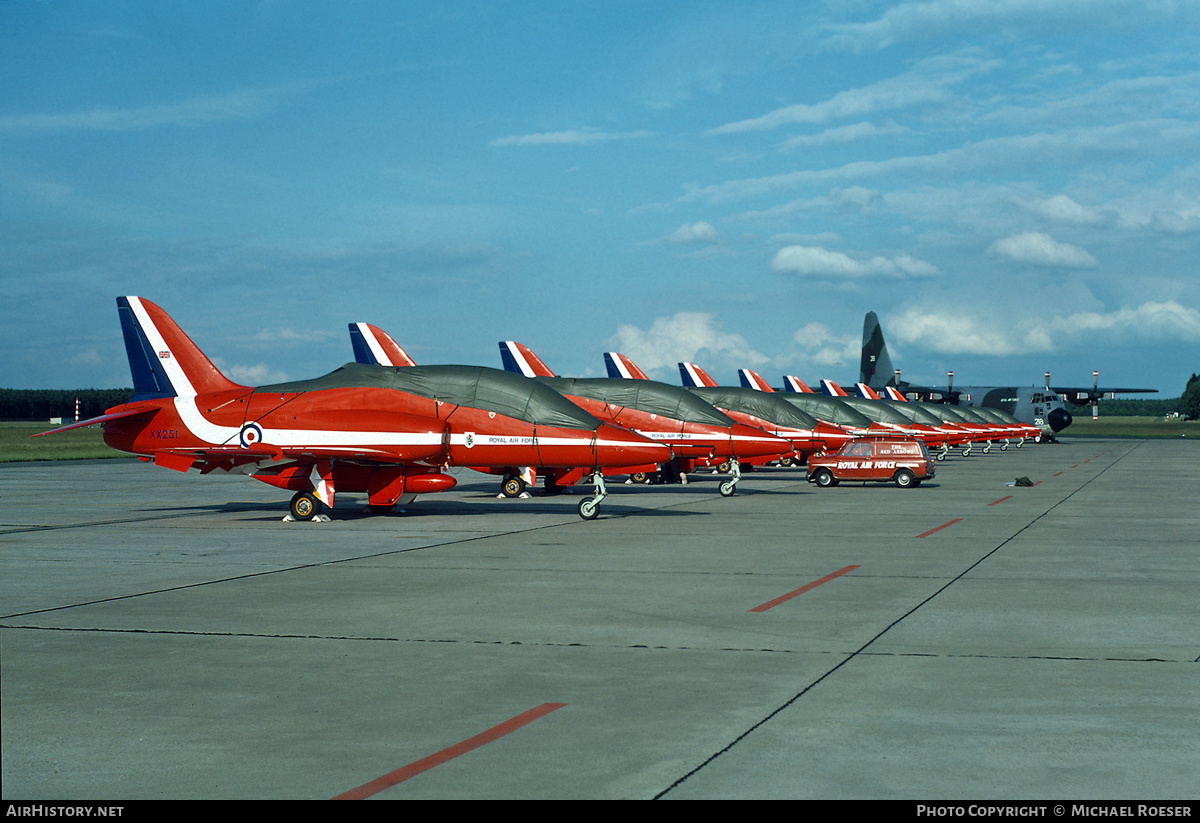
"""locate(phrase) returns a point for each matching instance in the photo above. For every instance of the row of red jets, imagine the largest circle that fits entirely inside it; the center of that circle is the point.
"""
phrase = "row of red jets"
(391, 429)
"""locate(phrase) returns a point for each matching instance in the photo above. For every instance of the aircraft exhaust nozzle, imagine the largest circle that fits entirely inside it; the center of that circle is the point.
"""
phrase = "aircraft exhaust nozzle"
(621, 447)
(1059, 419)
(750, 441)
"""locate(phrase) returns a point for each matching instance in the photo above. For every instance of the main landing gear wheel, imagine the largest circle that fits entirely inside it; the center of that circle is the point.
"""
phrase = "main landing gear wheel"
(305, 506)
(905, 479)
(512, 487)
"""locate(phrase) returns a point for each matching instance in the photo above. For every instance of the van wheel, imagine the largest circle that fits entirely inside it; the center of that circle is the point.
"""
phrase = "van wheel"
(904, 479)
(824, 478)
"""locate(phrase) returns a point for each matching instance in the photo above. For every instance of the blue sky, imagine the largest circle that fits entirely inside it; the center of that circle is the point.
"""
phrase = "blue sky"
(1012, 185)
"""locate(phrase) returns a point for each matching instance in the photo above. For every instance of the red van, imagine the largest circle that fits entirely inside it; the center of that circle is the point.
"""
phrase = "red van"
(904, 461)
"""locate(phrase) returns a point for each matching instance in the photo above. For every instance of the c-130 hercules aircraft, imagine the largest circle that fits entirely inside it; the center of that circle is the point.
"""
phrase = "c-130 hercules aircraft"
(1042, 407)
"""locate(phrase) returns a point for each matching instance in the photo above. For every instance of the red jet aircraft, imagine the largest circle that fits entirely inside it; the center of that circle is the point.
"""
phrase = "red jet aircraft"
(388, 432)
(806, 434)
(698, 433)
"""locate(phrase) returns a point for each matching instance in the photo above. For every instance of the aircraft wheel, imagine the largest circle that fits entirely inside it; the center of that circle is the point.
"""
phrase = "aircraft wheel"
(905, 479)
(987, 449)
(786, 462)
(512, 487)
(727, 488)
(940, 457)
(640, 477)
(305, 506)
(824, 478)
(967, 452)
(1004, 446)
(724, 467)
(589, 508)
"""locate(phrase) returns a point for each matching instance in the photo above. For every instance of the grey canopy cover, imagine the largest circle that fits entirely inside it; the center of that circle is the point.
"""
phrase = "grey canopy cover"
(475, 387)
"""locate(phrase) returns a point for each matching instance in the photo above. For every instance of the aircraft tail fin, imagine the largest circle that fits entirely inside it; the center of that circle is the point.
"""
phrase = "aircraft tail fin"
(520, 359)
(373, 345)
(894, 394)
(693, 375)
(619, 365)
(865, 391)
(795, 384)
(753, 380)
(876, 367)
(832, 389)
(163, 360)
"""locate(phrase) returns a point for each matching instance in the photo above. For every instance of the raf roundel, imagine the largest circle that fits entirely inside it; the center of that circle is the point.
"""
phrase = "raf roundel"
(250, 435)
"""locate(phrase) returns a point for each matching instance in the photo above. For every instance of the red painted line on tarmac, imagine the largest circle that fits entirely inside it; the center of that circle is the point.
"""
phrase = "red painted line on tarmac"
(786, 597)
(426, 763)
(994, 502)
(1056, 474)
(939, 528)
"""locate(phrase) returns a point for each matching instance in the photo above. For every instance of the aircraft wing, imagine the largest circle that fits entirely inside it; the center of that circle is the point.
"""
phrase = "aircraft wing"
(93, 421)
(1082, 395)
(229, 456)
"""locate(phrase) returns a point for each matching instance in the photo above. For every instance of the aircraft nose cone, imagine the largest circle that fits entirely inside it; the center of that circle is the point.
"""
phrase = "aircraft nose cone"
(749, 441)
(1058, 419)
(621, 447)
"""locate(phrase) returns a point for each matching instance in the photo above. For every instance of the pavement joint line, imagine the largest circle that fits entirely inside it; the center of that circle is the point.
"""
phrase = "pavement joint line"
(862, 649)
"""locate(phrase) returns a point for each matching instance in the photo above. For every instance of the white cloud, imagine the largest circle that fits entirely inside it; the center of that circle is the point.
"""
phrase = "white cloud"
(289, 335)
(1040, 249)
(257, 375)
(843, 134)
(957, 333)
(1062, 209)
(1147, 138)
(826, 349)
(1168, 320)
(815, 261)
(915, 20)
(236, 105)
(961, 333)
(571, 137)
(694, 233)
(684, 336)
(928, 83)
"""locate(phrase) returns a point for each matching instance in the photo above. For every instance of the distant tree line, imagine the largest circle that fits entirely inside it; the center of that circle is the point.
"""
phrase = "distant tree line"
(1189, 403)
(43, 404)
